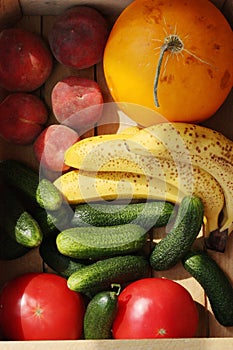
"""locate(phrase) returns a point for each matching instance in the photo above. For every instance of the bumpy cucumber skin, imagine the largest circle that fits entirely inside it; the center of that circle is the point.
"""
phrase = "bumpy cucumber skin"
(99, 242)
(148, 215)
(26, 180)
(179, 240)
(99, 315)
(48, 196)
(51, 222)
(62, 265)
(19, 223)
(214, 282)
(27, 231)
(100, 275)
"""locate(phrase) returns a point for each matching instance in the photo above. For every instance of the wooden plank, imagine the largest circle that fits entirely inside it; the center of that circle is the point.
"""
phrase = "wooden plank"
(109, 122)
(54, 7)
(10, 12)
(158, 344)
(218, 3)
(31, 262)
(227, 10)
(108, 8)
(222, 119)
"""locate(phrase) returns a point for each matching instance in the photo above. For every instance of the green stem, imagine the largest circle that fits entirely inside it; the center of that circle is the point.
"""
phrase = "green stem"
(163, 49)
(116, 286)
(174, 44)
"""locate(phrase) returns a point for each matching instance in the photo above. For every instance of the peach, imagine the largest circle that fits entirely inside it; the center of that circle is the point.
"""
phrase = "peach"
(25, 60)
(22, 118)
(77, 38)
(77, 102)
(50, 146)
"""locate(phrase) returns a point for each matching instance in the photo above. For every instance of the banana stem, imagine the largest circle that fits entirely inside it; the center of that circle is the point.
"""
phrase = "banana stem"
(217, 241)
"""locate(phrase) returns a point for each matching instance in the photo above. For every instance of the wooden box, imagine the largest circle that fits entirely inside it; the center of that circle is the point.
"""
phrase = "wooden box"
(38, 16)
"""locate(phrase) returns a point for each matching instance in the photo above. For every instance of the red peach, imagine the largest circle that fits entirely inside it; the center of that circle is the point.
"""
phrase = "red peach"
(78, 37)
(50, 146)
(25, 60)
(77, 102)
(22, 118)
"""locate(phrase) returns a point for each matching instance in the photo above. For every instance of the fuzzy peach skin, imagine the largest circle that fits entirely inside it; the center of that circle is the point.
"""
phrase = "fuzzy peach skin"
(50, 146)
(78, 37)
(77, 102)
(22, 118)
(25, 60)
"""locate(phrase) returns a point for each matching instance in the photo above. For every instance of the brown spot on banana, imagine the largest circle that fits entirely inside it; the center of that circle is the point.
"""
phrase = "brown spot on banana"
(110, 153)
(83, 186)
(203, 147)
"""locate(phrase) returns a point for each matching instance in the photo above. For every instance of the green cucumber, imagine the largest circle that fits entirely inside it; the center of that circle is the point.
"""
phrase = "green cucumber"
(149, 214)
(100, 242)
(179, 240)
(51, 222)
(99, 315)
(102, 274)
(24, 179)
(10, 249)
(61, 264)
(214, 282)
(19, 223)
(48, 196)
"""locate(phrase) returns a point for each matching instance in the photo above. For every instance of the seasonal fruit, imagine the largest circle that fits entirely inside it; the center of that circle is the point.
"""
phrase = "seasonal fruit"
(155, 308)
(39, 306)
(110, 157)
(25, 60)
(77, 102)
(78, 37)
(174, 57)
(22, 118)
(51, 144)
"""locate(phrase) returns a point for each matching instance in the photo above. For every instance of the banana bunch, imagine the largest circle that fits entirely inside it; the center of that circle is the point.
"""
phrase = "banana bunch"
(164, 161)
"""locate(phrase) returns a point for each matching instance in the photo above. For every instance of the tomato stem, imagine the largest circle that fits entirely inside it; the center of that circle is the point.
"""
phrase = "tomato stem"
(173, 44)
(116, 286)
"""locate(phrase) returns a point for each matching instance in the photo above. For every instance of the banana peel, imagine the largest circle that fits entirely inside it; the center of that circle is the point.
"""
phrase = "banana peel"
(140, 152)
(78, 186)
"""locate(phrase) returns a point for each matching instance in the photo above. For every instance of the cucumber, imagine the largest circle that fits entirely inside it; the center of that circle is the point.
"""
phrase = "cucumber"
(48, 196)
(24, 179)
(19, 223)
(214, 282)
(99, 315)
(51, 222)
(61, 264)
(99, 242)
(100, 275)
(179, 240)
(10, 249)
(149, 214)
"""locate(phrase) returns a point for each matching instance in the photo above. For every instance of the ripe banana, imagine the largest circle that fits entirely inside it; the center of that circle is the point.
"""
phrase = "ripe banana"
(203, 147)
(79, 186)
(130, 130)
(107, 154)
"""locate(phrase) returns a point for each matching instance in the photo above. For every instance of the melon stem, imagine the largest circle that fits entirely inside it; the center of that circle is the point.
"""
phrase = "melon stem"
(173, 44)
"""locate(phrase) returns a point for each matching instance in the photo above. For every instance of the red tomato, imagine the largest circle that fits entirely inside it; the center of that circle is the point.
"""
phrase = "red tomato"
(155, 308)
(40, 306)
